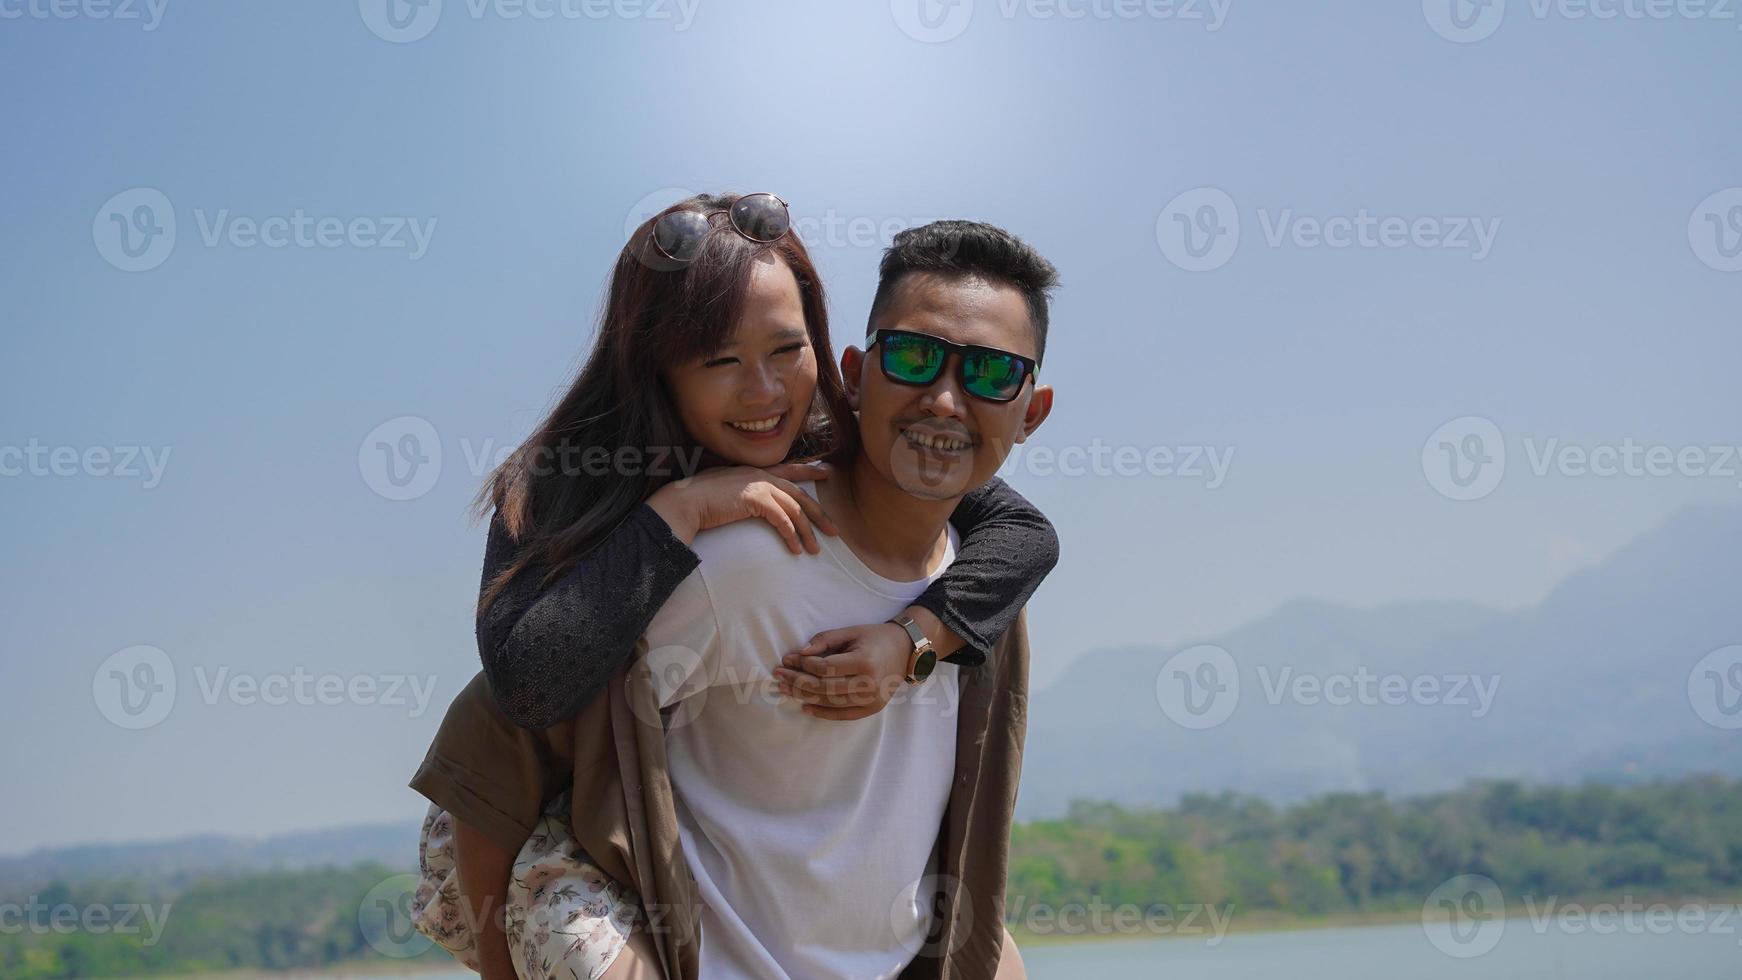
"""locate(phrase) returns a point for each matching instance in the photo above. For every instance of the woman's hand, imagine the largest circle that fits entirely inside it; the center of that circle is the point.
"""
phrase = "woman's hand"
(847, 674)
(726, 494)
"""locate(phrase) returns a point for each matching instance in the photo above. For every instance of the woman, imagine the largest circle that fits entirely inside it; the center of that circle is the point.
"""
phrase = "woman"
(714, 350)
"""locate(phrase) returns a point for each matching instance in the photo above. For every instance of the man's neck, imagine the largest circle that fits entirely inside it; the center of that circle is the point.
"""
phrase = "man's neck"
(896, 534)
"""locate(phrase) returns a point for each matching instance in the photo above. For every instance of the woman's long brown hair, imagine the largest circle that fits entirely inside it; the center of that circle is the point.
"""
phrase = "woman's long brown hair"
(656, 314)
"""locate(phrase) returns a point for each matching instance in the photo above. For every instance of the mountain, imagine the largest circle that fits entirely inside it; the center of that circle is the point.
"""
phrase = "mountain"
(172, 864)
(1591, 683)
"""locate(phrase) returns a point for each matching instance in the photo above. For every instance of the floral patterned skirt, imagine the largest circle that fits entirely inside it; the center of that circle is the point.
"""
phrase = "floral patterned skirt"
(566, 919)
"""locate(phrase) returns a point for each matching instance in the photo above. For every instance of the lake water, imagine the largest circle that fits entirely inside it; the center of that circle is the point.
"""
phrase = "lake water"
(1398, 953)
(1387, 953)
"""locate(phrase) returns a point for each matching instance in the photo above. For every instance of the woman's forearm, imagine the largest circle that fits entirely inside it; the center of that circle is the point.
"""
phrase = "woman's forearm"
(1007, 548)
(485, 869)
(548, 651)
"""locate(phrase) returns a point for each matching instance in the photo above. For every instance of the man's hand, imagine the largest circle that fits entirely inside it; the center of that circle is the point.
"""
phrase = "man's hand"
(847, 674)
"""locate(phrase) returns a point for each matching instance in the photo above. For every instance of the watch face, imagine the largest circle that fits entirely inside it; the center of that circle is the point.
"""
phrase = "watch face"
(927, 662)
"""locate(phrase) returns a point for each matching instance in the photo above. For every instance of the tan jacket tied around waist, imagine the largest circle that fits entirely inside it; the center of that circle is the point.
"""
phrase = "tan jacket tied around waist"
(497, 777)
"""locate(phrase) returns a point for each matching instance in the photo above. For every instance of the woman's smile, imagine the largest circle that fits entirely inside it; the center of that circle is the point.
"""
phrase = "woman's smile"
(762, 429)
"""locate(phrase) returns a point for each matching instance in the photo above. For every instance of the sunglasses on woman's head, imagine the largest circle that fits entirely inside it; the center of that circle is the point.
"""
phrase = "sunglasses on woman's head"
(762, 217)
(917, 359)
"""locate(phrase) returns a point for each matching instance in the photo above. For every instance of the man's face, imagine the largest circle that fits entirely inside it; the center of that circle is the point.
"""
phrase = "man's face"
(938, 442)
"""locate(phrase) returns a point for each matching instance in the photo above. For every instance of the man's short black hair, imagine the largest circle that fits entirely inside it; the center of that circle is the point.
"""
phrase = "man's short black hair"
(971, 248)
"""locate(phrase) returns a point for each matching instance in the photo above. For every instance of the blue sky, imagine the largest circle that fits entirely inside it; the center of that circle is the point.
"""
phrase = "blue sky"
(1594, 153)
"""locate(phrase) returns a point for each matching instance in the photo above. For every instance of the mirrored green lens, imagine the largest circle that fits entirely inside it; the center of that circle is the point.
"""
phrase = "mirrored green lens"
(912, 359)
(994, 376)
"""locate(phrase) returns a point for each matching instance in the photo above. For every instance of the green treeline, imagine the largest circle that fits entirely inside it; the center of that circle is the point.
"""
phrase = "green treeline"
(1332, 855)
(1352, 853)
(270, 921)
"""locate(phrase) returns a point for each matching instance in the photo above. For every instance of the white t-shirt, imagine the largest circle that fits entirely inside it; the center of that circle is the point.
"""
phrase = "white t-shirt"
(808, 838)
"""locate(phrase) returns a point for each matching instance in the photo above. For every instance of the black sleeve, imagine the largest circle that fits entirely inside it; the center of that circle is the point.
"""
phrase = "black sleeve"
(547, 651)
(1008, 547)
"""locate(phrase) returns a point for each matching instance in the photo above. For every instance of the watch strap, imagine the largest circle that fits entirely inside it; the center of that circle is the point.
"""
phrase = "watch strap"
(922, 645)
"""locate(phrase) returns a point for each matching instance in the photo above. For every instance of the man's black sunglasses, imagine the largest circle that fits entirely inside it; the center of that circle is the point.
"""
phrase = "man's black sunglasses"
(917, 359)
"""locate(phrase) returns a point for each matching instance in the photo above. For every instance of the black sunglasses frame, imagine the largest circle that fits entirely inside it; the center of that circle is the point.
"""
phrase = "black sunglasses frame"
(667, 224)
(1031, 367)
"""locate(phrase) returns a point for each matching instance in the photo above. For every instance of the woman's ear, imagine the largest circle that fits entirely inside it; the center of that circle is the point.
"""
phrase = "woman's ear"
(852, 362)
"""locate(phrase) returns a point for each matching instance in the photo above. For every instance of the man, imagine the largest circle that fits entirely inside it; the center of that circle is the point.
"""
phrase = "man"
(811, 843)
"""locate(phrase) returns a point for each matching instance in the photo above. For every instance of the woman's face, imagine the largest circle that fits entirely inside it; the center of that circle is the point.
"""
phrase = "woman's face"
(748, 401)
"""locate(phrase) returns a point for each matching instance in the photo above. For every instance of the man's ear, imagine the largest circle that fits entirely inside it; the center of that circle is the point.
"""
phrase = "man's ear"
(1039, 407)
(852, 362)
